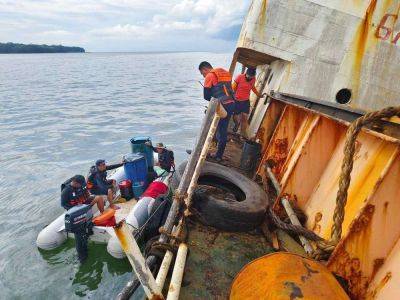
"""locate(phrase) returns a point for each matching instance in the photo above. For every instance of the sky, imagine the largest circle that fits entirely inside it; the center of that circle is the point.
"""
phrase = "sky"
(125, 25)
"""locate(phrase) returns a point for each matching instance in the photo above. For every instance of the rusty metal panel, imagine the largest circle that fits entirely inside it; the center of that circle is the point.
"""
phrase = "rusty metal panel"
(309, 170)
(308, 125)
(386, 283)
(315, 155)
(372, 233)
(283, 137)
(269, 123)
(331, 45)
(372, 158)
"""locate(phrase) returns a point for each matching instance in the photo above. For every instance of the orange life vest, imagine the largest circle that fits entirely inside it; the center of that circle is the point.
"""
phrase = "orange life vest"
(223, 89)
(78, 197)
(107, 218)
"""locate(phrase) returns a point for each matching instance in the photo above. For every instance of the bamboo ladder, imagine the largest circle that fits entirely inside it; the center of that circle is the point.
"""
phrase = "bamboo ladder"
(183, 195)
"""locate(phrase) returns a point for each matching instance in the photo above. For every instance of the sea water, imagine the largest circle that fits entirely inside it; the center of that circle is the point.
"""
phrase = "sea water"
(59, 113)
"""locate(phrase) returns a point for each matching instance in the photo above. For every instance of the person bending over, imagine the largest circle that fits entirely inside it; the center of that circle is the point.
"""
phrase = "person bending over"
(165, 156)
(218, 84)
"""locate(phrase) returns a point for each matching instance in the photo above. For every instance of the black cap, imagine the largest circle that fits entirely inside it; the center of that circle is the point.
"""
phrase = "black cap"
(205, 64)
(79, 179)
(99, 162)
(251, 71)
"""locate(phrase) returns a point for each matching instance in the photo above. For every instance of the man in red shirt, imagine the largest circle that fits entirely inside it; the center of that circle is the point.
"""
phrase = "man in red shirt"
(218, 84)
(243, 84)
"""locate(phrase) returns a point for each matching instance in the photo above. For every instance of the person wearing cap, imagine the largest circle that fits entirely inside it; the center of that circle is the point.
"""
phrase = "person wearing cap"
(165, 156)
(74, 192)
(97, 182)
(243, 85)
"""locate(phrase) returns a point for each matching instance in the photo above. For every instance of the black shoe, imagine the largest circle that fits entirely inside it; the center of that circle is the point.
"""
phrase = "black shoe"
(188, 151)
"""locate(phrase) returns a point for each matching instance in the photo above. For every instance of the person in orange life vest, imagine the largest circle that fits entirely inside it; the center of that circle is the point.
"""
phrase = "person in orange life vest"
(74, 192)
(218, 84)
(243, 84)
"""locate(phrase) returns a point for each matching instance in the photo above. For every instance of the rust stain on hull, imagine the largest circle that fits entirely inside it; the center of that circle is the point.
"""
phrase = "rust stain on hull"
(381, 285)
(279, 155)
(378, 263)
(263, 15)
(360, 46)
(344, 262)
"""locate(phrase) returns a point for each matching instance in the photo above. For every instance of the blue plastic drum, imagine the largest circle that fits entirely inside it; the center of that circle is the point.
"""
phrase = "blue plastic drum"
(138, 146)
(135, 168)
(138, 189)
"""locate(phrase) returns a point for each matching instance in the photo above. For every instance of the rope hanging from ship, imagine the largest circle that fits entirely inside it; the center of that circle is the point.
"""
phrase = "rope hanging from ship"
(326, 247)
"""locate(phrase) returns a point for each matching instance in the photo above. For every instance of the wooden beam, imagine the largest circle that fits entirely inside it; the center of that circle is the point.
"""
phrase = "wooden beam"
(135, 256)
(234, 61)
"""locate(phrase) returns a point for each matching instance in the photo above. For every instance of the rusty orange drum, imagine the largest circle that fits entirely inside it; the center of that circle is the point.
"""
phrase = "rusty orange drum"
(284, 275)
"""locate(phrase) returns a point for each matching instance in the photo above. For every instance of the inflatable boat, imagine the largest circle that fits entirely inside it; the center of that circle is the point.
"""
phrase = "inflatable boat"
(145, 213)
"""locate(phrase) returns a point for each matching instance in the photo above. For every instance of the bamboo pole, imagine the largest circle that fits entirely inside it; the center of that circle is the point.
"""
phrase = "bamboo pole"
(135, 256)
(203, 155)
(164, 268)
(194, 157)
(289, 210)
(295, 221)
(274, 181)
(177, 275)
(183, 186)
(166, 263)
(180, 261)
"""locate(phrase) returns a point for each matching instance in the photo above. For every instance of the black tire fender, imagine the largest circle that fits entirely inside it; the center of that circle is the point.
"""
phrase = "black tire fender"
(227, 214)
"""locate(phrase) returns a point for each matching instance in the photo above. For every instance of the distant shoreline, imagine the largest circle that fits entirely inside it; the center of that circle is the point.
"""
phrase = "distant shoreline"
(14, 48)
(126, 52)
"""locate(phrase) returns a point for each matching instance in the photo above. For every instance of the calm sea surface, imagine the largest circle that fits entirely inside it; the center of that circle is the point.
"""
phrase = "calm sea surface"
(58, 114)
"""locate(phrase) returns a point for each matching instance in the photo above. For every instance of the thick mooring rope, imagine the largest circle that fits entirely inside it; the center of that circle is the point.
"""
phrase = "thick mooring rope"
(347, 164)
(324, 247)
(299, 230)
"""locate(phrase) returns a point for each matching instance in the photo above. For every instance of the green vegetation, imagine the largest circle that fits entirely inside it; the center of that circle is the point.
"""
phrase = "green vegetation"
(31, 48)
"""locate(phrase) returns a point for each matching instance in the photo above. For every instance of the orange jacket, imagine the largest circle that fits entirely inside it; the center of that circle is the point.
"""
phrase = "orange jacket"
(220, 82)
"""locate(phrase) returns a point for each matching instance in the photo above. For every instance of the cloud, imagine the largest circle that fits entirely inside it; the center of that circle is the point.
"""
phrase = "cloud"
(56, 33)
(229, 33)
(157, 22)
(119, 30)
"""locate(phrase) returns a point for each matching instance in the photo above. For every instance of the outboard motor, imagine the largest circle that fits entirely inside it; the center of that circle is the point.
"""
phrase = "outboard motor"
(78, 220)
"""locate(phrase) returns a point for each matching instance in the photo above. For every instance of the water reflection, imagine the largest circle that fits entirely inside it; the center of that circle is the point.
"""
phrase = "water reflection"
(87, 276)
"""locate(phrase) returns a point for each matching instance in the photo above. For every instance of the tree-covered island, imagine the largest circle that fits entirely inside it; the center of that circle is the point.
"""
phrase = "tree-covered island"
(32, 48)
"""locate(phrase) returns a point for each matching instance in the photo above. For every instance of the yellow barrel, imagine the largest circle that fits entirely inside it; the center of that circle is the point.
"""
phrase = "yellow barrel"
(285, 275)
